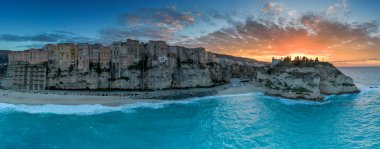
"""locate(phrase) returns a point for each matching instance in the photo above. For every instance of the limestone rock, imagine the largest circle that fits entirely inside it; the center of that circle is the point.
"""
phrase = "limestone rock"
(333, 81)
(305, 81)
(295, 83)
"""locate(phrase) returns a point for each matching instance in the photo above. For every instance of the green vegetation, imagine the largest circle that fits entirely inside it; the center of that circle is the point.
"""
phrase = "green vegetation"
(98, 69)
(301, 61)
(312, 84)
(125, 78)
(212, 64)
(297, 74)
(71, 69)
(96, 66)
(347, 84)
(3, 70)
(270, 85)
(3, 57)
(141, 65)
(59, 72)
(188, 61)
(300, 90)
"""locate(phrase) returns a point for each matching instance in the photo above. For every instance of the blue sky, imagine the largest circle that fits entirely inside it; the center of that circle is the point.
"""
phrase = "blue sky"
(33, 23)
(86, 18)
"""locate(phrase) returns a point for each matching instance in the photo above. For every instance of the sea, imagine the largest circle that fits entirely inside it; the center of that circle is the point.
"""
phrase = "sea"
(252, 120)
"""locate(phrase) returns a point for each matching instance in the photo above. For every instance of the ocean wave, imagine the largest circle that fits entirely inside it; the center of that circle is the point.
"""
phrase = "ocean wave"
(366, 89)
(57, 109)
(225, 96)
(78, 109)
(328, 98)
(98, 108)
(298, 102)
(303, 102)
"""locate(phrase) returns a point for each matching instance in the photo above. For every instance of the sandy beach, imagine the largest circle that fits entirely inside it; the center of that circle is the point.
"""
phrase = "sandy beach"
(115, 98)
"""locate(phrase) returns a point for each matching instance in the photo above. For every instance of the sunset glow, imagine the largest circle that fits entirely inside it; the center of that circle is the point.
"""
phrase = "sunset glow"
(343, 32)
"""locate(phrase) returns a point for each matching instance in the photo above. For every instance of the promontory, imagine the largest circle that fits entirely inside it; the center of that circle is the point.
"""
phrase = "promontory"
(132, 65)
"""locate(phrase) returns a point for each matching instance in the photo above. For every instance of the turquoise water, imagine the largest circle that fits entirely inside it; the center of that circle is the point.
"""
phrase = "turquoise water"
(236, 121)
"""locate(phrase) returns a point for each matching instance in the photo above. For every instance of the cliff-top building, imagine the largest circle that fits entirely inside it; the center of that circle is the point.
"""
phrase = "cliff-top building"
(83, 57)
(129, 64)
(105, 55)
(31, 56)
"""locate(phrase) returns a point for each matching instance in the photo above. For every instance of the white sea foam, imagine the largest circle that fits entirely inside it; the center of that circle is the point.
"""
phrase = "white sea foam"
(298, 102)
(83, 109)
(99, 109)
(76, 109)
(302, 102)
(327, 99)
(364, 90)
(57, 109)
(128, 108)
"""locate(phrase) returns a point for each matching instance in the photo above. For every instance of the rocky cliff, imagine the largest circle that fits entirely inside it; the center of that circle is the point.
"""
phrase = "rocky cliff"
(309, 80)
(334, 81)
(150, 76)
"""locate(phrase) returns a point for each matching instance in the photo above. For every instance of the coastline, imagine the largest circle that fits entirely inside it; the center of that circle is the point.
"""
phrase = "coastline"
(116, 98)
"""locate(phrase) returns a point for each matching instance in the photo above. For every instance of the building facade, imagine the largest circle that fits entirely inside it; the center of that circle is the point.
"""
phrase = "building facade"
(128, 64)
(105, 56)
(32, 56)
(25, 76)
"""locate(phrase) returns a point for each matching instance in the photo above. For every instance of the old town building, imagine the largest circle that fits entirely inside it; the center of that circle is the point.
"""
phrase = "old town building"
(128, 64)
(32, 56)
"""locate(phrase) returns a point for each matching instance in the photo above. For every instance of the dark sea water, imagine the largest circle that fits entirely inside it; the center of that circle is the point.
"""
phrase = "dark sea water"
(233, 121)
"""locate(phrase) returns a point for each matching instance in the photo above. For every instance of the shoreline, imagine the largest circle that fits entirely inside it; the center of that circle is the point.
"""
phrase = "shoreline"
(117, 98)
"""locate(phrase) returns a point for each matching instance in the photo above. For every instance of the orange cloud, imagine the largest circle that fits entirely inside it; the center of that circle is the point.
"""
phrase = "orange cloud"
(311, 35)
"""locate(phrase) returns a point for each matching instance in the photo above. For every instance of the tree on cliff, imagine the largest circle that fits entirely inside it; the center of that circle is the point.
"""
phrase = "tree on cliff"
(297, 58)
(59, 72)
(316, 59)
(305, 59)
(287, 59)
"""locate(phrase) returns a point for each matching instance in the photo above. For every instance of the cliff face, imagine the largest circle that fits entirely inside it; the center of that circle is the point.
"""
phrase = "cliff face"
(189, 75)
(294, 83)
(304, 81)
(334, 81)
(126, 65)
(71, 78)
(153, 76)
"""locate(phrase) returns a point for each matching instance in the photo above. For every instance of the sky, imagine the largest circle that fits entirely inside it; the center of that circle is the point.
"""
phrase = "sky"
(344, 32)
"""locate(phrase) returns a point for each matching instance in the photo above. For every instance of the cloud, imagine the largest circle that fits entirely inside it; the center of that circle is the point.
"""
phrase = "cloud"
(358, 62)
(150, 23)
(292, 12)
(273, 8)
(338, 8)
(168, 17)
(310, 34)
(63, 32)
(276, 9)
(28, 46)
(211, 16)
(275, 31)
(147, 33)
(350, 61)
(45, 37)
